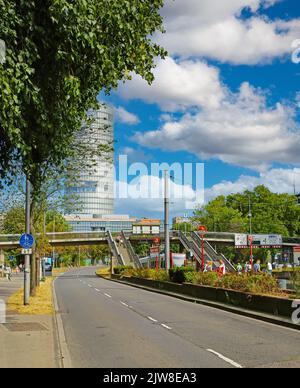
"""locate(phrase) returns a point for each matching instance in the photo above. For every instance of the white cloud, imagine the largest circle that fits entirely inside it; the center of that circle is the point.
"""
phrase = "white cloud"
(145, 195)
(215, 30)
(125, 117)
(277, 180)
(178, 85)
(243, 130)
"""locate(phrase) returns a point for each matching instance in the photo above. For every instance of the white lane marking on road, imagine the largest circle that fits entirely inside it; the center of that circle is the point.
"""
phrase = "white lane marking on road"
(166, 327)
(109, 296)
(152, 319)
(90, 286)
(124, 304)
(226, 359)
(96, 289)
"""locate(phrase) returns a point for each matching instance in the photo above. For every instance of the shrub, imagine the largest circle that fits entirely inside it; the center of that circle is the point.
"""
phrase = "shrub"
(234, 282)
(121, 268)
(206, 279)
(179, 275)
(256, 284)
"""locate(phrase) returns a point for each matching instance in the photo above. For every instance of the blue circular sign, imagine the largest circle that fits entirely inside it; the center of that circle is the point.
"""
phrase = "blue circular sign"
(26, 241)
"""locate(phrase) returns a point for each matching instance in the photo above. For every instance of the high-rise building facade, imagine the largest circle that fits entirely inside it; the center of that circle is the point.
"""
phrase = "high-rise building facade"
(94, 190)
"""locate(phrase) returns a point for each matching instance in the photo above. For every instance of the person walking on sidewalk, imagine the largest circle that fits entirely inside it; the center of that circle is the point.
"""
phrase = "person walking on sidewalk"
(8, 273)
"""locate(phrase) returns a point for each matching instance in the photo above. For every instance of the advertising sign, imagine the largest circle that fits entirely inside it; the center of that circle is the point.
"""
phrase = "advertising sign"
(258, 240)
(241, 241)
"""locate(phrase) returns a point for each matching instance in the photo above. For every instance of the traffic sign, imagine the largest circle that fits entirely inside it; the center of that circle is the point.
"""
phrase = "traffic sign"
(11, 258)
(26, 241)
(26, 251)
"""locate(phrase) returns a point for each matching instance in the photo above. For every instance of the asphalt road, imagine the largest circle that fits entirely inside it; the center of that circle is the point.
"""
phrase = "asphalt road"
(111, 325)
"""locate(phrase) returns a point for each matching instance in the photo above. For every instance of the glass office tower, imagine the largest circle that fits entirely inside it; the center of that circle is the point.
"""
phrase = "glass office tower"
(95, 187)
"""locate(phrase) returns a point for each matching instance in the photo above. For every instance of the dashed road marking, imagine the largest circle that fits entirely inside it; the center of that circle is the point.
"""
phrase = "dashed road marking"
(166, 327)
(124, 304)
(152, 319)
(109, 296)
(96, 289)
(226, 359)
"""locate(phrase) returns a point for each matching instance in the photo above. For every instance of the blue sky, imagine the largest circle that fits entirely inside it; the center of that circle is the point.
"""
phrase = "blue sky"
(228, 96)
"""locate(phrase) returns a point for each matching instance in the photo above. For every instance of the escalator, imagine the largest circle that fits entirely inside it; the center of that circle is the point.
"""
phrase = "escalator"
(212, 254)
(117, 256)
(133, 257)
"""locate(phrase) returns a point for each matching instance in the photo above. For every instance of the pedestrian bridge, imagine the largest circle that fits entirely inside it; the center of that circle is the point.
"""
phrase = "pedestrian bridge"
(11, 241)
(122, 245)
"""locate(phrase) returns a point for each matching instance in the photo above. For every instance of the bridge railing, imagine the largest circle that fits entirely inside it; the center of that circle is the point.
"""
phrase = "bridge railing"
(115, 249)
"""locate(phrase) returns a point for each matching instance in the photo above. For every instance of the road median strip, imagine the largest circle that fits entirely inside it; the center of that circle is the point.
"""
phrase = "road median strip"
(252, 314)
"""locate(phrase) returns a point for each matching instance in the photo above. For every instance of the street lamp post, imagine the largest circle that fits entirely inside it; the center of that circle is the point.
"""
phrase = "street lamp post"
(250, 215)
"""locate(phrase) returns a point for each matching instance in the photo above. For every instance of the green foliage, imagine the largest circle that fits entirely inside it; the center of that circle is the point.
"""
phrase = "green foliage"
(271, 213)
(120, 269)
(256, 284)
(178, 275)
(60, 55)
(184, 227)
(206, 279)
(98, 252)
(14, 221)
(142, 250)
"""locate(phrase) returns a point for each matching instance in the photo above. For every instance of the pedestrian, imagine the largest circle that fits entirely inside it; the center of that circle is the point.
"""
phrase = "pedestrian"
(257, 267)
(222, 269)
(269, 268)
(8, 273)
(239, 269)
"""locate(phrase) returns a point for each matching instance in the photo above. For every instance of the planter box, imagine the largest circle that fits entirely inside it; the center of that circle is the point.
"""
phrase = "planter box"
(259, 303)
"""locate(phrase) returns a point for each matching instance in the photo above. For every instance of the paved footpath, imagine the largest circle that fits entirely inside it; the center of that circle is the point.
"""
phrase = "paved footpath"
(26, 341)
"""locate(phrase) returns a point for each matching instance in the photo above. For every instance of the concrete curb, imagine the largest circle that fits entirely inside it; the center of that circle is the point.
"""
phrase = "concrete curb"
(65, 357)
(235, 310)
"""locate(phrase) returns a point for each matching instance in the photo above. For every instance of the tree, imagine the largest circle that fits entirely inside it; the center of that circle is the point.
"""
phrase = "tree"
(270, 213)
(60, 55)
(98, 252)
(218, 217)
(142, 250)
(14, 221)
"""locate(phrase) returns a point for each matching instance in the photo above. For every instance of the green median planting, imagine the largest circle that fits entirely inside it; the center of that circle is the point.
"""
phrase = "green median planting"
(255, 292)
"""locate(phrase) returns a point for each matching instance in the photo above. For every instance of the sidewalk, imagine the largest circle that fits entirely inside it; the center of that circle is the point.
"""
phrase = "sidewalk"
(26, 341)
